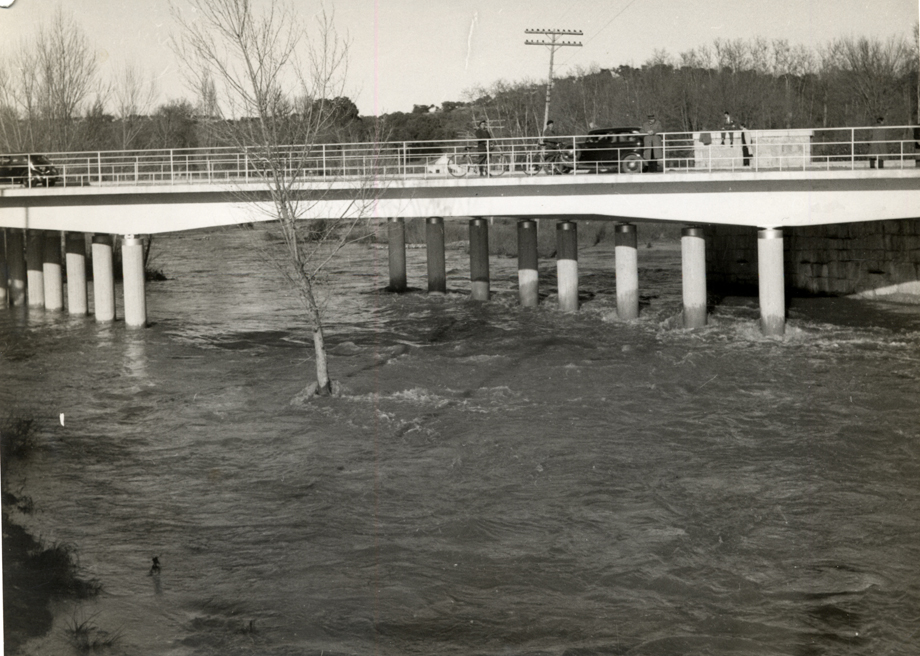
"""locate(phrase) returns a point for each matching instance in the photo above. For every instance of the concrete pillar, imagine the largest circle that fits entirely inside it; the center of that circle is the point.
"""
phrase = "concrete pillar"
(75, 263)
(17, 266)
(693, 265)
(528, 276)
(567, 265)
(627, 265)
(103, 278)
(4, 272)
(132, 260)
(770, 282)
(35, 276)
(479, 259)
(396, 247)
(434, 241)
(52, 273)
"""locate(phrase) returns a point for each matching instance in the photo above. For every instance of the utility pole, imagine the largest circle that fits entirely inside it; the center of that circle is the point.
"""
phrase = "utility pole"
(554, 44)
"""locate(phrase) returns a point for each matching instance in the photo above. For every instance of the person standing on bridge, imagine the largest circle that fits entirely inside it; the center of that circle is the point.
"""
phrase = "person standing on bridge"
(728, 126)
(878, 148)
(745, 148)
(483, 136)
(653, 144)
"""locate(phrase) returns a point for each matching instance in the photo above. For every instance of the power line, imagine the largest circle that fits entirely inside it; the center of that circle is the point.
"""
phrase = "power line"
(617, 15)
(554, 44)
(606, 25)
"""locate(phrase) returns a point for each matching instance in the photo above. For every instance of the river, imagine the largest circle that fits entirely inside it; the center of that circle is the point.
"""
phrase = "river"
(493, 480)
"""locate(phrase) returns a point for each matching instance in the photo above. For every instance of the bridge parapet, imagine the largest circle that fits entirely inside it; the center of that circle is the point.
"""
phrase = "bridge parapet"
(783, 150)
(754, 150)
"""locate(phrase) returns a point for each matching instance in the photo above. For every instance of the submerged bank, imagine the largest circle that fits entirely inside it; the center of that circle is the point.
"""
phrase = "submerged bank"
(35, 574)
(26, 600)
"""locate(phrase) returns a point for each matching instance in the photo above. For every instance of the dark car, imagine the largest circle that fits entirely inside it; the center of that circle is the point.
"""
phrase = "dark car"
(607, 150)
(28, 170)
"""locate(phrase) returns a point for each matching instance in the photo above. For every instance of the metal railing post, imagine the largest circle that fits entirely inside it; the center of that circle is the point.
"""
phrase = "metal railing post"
(99, 165)
(852, 149)
(324, 161)
(172, 171)
(574, 157)
(664, 152)
(754, 154)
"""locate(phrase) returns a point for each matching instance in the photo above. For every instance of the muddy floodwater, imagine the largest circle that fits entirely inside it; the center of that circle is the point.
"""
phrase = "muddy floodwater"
(493, 480)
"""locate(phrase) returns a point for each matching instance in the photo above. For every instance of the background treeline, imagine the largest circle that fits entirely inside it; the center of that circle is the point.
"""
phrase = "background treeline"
(764, 84)
(53, 97)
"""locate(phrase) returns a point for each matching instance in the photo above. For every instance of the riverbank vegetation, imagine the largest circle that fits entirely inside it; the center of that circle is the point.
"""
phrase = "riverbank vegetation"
(35, 573)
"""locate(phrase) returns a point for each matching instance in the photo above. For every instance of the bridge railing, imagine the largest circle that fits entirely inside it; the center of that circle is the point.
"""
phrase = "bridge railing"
(732, 150)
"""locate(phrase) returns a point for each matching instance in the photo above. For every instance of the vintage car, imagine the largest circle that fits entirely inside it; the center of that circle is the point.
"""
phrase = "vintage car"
(607, 150)
(28, 170)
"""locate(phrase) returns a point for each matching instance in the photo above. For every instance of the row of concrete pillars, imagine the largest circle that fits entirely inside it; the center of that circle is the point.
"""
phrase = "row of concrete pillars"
(31, 269)
(31, 272)
(693, 251)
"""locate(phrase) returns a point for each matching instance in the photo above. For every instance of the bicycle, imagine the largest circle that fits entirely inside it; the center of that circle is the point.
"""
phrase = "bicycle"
(547, 159)
(470, 161)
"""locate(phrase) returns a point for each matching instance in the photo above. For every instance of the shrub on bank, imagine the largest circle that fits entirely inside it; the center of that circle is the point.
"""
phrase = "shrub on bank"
(34, 573)
(17, 439)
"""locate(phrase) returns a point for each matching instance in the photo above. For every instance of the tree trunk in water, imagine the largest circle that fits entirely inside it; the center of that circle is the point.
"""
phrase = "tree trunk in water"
(323, 384)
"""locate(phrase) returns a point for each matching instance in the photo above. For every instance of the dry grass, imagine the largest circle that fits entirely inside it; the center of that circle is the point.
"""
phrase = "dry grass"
(87, 638)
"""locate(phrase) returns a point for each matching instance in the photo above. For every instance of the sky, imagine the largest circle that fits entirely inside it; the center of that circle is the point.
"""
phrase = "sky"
(425, 52)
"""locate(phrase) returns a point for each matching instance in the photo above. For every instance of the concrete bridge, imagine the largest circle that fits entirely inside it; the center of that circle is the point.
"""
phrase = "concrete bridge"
(791, 179)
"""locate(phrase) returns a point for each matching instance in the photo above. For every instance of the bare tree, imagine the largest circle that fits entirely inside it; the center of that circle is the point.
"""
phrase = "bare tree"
(134, 94)
(46, 84)
(67, 71)
(249, 56)
(871, 71)
(917, 62)
(19, 99)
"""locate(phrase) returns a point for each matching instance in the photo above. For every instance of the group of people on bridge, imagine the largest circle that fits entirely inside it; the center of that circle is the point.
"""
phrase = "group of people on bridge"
(652, 129)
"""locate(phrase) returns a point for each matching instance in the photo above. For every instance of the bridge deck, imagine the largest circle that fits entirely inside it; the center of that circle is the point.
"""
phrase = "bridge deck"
(794, 178)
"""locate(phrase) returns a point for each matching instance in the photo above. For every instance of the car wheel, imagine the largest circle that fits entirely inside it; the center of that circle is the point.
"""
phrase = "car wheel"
(632, 163)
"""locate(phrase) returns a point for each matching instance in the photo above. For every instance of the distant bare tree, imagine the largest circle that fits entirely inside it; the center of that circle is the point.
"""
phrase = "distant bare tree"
(46, 84)
(67, 73)
(19, 100)
(251, 56)
(917, 62)
(134, 94)
(870, 72)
